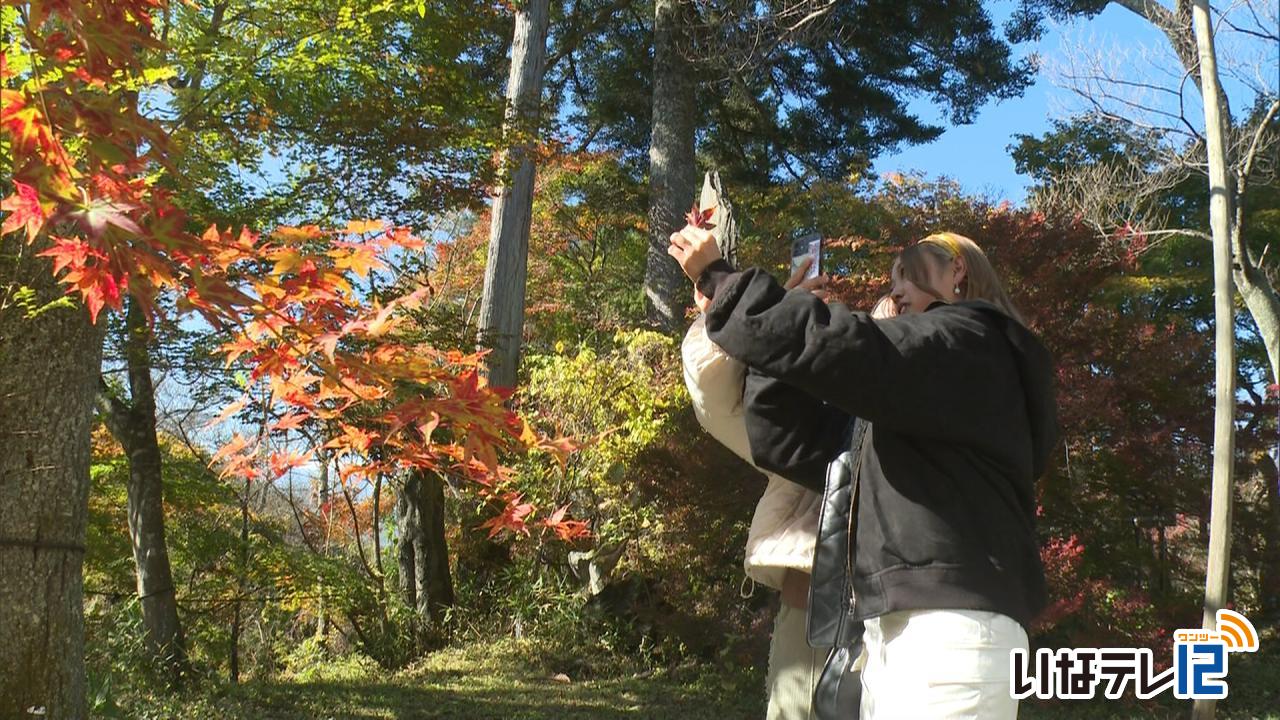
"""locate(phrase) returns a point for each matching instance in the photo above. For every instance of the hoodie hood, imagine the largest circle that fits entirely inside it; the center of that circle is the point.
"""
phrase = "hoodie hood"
(1036, 371)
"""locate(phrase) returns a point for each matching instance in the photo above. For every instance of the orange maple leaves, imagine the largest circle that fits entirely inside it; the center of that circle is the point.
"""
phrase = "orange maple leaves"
(340, 367)
(326, 361)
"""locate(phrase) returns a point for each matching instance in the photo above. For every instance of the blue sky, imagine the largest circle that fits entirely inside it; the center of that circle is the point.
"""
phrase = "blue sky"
(976, 156)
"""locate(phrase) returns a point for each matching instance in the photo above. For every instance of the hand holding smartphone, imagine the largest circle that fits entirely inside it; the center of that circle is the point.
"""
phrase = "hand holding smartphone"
(807, 245)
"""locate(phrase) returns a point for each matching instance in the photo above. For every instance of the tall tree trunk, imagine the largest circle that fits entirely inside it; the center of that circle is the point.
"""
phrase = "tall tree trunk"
(242, 579)
(1220, 220)
(672, 170)
(133, 424)
(426, 583)
(502, 306)
(48, 380)
(1260, 296)
(435, 584)
(325, 496)
(407, 543)
(407, 524)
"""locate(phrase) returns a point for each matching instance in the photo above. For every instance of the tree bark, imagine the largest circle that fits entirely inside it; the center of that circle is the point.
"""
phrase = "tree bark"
(672, 166)
(425, 580)
(48, 380)
(242, 581)
(502, 306)
(133, 424)
(1220, 222)
(407, 522)
(435, 584)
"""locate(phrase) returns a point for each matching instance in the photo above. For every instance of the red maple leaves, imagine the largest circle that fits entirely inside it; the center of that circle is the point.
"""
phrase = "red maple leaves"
(700, 218)
(321, 357)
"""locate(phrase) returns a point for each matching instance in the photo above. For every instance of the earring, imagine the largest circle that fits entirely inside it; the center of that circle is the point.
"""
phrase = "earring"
(957, 289)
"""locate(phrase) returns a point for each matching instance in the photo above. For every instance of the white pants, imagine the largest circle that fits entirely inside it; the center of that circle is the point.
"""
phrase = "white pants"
(794, 667)
(939, 665)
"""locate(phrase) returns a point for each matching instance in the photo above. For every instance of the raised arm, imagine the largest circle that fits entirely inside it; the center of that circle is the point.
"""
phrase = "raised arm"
(930, 373)
(714, 381)
(792, 433)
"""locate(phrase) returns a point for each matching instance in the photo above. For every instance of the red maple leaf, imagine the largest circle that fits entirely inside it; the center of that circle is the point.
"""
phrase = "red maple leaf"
(566, 529)
(24, 211)
(96, 215)
(698, 218)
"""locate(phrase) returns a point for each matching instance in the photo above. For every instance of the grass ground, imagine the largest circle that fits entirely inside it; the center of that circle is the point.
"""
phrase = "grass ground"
(510, 680)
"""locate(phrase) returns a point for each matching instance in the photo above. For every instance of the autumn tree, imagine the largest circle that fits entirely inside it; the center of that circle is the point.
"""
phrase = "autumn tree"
(502, 304)
(81, 195)
(132, 420)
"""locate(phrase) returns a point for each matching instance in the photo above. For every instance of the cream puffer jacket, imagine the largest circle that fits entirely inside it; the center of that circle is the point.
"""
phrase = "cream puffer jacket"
(785, 525)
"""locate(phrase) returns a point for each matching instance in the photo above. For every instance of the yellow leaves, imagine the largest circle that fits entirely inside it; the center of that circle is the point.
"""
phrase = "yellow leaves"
(382, 323)
(287, 260)
(359, 227)
(359, 259)
(294, 235)
(352, 438)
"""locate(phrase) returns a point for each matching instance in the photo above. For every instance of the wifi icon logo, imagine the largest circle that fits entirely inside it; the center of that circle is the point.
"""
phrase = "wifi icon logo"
(1236, 632)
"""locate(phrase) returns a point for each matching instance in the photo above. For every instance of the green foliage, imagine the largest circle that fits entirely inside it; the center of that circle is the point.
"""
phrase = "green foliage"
(587, 252)
(310, 662)
(816, 104)
(619, 397)
(324, 110)
(25, 298)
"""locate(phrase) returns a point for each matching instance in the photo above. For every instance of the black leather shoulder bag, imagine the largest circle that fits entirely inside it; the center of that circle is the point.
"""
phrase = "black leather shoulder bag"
(831, 603)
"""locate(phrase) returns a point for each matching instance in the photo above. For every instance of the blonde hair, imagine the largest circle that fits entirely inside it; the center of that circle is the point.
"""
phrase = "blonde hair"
(980, 280)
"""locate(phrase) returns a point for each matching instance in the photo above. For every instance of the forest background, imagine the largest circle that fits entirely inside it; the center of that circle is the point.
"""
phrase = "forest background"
(339, 347)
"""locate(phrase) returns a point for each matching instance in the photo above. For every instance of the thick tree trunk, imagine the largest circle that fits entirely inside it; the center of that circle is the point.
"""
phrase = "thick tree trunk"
(133, 424)
(502, 306)
(435, 584)
(672, 166)
(1220, 220)
(48, 380)
(407, 522)
(426, 582)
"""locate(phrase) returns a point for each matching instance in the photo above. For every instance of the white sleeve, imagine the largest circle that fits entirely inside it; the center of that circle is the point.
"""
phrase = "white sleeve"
(715, 383)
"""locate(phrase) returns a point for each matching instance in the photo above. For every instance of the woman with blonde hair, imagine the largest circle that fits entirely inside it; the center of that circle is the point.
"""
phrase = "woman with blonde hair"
(958, 396)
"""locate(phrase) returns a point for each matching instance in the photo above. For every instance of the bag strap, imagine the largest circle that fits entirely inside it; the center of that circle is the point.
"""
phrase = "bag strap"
(849, 631)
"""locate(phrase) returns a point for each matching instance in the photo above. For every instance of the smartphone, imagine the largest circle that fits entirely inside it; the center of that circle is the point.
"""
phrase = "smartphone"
(807, 245)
